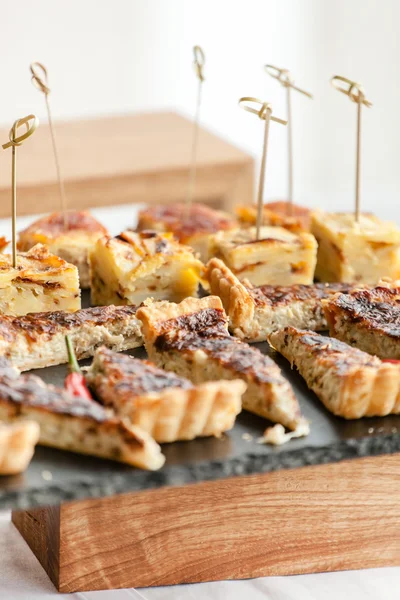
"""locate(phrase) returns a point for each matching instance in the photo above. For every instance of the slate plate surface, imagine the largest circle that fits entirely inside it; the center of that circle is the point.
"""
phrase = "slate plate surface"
(56, 476)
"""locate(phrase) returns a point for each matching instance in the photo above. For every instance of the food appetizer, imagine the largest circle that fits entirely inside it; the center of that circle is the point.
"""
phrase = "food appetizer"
(71, 237)
(164, 405)
(40, 282)
(279, 257)
(367, 319)
(132, 267)
(349, 382)
(193, 229)
(17, 445)
(192, 340)
(37, 340)
(255, 312)
(74, 423)
(277, 214)
(350, 251)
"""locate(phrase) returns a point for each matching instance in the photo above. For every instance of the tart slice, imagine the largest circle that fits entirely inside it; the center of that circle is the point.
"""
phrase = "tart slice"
(40, 282)
(74, 423)
(367, 319)
(17, 445)
(191, 339)
(193, 229)
(349, 382)
(37, 340)
(71, 237)
(135, 266)
(166, 406)
(278, 257)
(255, 312)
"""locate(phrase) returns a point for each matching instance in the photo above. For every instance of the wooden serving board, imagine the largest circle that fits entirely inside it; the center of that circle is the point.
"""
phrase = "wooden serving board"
(123, 160)
(226, 508)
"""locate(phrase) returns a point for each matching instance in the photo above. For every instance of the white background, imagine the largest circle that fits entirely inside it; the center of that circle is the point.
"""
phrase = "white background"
(118, 56)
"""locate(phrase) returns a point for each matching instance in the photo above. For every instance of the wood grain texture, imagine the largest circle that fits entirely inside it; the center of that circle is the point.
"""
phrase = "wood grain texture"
(41, 530)
(118, 160)
(321, 518)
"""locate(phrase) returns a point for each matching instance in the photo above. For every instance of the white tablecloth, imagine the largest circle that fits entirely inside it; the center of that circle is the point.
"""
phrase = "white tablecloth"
(22, 577)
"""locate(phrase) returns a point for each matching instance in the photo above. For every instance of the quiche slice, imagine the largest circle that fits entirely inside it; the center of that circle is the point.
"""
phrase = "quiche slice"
(364, 251)
(37, 340)
(73, 423)
(276, 214)
(132, 267)
(255, 312)
(71, 239)
(193, 229)
(17, 445)
(166, 406)
(191, 339)
(279, 257)
(40, 282)
(349, 382)
(367, 319)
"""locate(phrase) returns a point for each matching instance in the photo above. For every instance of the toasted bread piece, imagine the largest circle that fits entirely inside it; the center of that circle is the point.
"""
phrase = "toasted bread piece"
(132, 267)
(40, 282)
(278, 257)
(349, 382)
(191, 339)
(17, 445)
(279, 214)
(37, 340)
(255, 312)
(193, 229)
(166, 406)
(74, 423)
(71, 237)
(367, 319)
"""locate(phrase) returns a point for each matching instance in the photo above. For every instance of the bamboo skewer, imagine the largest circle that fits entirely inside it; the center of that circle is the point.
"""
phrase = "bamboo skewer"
(31, 122)
(40, 82)
(356, 93)
(284, 77)
(264, 112)
(198, 64)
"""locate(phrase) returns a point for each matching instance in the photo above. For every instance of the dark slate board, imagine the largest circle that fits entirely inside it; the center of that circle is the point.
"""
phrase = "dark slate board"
(75, 476)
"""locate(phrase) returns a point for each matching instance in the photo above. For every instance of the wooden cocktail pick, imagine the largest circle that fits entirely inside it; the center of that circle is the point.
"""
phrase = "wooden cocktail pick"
(264, 111)
(284, 77)
(39, 80)
(356, 93)
(31, 122)
(198, 64)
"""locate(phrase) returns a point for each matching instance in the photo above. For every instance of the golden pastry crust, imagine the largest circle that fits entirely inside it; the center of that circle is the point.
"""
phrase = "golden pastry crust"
(367, 319)
(73, 423)
(255, 312)
(167, 407)
(132, 267)
(191, 339)
(349, 382)
(193, 229)
(37, 340)
(17, 445)
(71, 239)
(40, 282)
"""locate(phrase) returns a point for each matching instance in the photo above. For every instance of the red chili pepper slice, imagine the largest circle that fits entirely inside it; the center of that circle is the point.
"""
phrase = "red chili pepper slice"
(75, 382)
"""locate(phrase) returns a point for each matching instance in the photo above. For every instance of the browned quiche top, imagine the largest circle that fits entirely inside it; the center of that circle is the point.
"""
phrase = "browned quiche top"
(202, 219)
(327, 349)
(377, 308)
(206, 330)
(279, 295)
(54, 224)
(133, 377)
